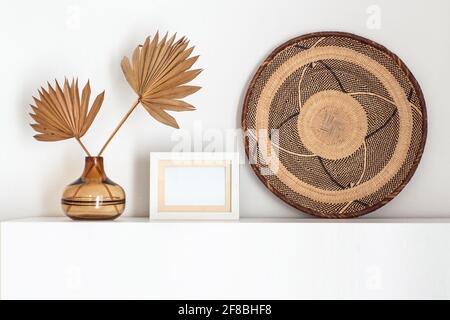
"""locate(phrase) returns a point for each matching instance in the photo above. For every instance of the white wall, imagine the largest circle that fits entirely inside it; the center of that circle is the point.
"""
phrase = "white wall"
(42, 40)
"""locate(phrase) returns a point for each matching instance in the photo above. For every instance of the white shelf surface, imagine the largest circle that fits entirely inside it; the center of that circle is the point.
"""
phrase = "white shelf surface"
(63, 219)
(248, 259)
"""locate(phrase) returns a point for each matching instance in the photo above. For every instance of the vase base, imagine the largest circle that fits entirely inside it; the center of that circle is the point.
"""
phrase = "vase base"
(91, 217)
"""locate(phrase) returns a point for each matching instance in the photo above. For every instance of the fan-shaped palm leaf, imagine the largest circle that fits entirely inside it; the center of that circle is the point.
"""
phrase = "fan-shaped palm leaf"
(62, 113)
(158, 72)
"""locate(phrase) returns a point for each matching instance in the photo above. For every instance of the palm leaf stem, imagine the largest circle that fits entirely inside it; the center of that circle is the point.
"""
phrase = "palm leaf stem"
(127, 115)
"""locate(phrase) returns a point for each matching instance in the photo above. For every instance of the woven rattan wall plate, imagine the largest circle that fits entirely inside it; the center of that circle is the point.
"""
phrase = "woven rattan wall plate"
(335, 124)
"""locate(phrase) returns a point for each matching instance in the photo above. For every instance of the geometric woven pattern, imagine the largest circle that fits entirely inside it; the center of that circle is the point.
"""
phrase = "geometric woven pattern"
(335, 124)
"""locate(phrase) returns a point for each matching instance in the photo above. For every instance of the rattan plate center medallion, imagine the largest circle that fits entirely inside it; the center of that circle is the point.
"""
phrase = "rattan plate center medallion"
(335, 124)
(332, 125)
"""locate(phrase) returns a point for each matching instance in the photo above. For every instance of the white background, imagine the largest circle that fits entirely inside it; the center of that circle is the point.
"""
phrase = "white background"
(43, 40)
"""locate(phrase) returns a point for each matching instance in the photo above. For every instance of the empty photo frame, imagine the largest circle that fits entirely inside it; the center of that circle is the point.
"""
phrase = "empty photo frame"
(194, 185)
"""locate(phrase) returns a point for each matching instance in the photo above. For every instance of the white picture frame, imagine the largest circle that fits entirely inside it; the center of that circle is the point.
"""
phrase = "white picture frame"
(194, 186)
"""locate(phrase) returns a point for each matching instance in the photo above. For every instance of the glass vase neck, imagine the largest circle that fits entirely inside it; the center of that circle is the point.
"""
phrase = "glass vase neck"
(93, 169)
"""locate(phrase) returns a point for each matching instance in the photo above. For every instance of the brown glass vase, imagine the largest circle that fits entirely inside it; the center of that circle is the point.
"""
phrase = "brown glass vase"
(93, 196)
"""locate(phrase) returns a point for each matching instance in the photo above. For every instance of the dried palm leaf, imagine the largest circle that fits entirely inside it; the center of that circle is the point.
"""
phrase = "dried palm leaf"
(158, 72)
(62, 113)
